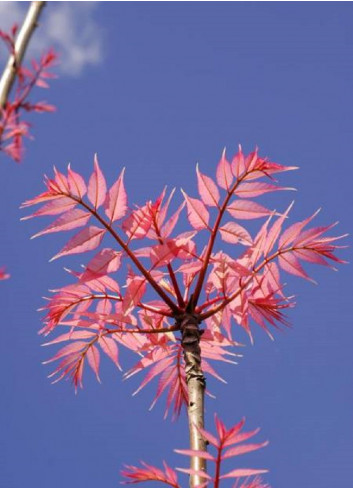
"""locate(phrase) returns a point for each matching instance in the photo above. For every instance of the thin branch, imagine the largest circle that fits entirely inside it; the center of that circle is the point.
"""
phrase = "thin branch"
(130, 254)
(212, 240)
(173, 278)
(9, 75)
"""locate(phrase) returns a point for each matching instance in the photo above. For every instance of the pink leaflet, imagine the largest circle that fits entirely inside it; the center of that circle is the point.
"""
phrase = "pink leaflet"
(3, 274)
(197, 213)
(110, 348)
(208, 190)
(93, 358)
(76, 183)
(162, 254)
(254, 189)
(290, 234)
(58, 205)
(150, 473)
(74, 347)
(97, 187)
(311, 256)
(233, 233)
(73, 335)
(135, 290)
(310, 235)
(247, 209)
(61, 182)
(238, 163)
(86, 240)
(290, 263)
(275, 231)
(197, 453)
(243, 473)
(201, 473)
(170, 224)
(246, 448)
(224, 174)
(71, 219)
(104, 262)
(250, 482)
(138, 223)
(115, 204)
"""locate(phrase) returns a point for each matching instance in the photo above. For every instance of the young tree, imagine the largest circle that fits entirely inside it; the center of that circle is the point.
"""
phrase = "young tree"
(179, 295)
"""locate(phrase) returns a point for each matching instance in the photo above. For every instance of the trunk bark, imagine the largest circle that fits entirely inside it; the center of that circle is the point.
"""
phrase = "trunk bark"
(196, 382)
(23, 37)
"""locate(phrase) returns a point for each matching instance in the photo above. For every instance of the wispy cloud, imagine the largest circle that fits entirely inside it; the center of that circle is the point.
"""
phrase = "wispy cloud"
(69, 27)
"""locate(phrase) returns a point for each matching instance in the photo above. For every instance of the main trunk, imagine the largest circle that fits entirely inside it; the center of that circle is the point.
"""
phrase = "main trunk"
(191, 333)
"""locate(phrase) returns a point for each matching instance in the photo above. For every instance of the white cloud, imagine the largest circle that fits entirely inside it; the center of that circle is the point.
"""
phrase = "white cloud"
(69, 27)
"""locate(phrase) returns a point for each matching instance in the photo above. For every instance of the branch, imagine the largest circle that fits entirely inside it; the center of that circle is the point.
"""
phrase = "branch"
(211, 242)
(130, 254)
(15, 60)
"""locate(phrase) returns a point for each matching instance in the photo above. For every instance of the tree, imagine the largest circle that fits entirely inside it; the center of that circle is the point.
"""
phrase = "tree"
(207, 293)
(198, 292)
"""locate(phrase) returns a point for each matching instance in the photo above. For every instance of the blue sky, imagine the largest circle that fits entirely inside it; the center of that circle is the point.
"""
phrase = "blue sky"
(176, 83)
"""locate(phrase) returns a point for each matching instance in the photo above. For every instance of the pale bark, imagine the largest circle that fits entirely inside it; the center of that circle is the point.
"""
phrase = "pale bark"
(9, 75)
(195, 379)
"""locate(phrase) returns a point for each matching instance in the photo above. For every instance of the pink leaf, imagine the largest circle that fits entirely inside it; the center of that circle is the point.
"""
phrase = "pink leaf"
(254, 189)
(290, 234)
(197, 213)
(76, 183)
(196, 453)
(74, 347)
(59, 205)
(86, 240)
(110, 348)
(170, 224)
(73, 335)
(200, 473)
(241, 449)
(207, 189)
(238, 163)
(290, 263)
(233, 233)
(224, 173)
(275, 231)
(247, 209)
(3, 274)
(115, 204)
(134, 292)
(93, 358)
(243, 473)
(72, 219)
(97, 188)
(138, 223)
(104, 262)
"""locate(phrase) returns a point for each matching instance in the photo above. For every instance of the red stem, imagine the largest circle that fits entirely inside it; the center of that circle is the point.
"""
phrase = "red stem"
(137, 263)
(211, 242)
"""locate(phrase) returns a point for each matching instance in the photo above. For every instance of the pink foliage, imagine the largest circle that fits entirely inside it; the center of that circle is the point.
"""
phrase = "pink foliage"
(131, 295)
(3, 274)
(227, 443)
(12, 128)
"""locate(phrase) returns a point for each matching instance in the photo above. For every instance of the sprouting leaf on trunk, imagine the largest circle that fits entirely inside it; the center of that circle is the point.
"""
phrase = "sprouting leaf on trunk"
(227, 443)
